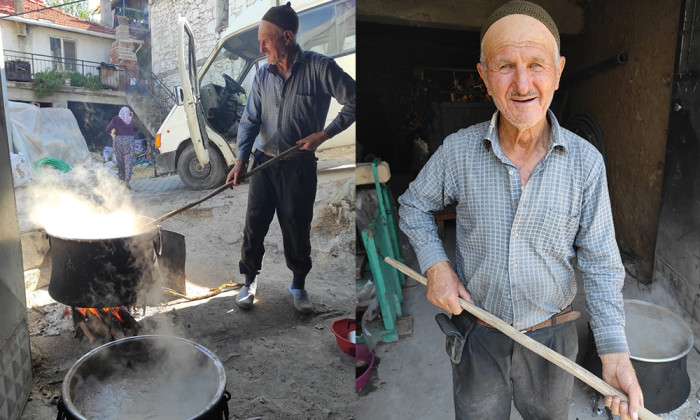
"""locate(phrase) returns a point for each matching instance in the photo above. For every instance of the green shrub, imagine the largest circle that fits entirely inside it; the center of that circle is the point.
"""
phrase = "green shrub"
(76, 79)
(93, 82)
(45, 83)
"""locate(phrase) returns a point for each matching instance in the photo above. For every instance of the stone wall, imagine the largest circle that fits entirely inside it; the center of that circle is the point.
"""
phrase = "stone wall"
(206, 28)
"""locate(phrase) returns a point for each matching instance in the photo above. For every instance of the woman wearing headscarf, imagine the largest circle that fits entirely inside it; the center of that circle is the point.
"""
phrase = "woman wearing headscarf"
(125, 127)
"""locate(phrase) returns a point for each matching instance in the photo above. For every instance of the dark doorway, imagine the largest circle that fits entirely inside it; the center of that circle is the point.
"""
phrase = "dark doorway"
(93, 118)
(404, 73)
(677, 259)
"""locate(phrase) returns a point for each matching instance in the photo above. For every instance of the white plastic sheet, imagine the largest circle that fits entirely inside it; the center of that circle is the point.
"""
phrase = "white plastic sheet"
(46, 132)
(20, 169)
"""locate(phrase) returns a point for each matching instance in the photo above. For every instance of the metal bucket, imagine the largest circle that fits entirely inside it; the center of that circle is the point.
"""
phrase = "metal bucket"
(149, 376)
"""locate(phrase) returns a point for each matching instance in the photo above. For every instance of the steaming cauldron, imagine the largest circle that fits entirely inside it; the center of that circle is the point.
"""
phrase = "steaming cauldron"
(659, 341)
(149, 376)
(92, 273)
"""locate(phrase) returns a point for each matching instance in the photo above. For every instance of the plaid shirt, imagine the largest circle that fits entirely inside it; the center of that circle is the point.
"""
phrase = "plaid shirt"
(517, 245)
(285, 111)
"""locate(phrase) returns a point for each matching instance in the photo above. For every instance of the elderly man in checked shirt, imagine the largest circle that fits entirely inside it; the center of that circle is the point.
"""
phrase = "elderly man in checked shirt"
(532, 201)
(287, 105)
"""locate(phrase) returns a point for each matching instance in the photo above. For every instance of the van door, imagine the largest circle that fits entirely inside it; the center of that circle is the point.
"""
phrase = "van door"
(198, 167)
(190, 90)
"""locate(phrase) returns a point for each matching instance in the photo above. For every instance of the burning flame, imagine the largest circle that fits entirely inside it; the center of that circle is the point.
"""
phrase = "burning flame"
(94, 311)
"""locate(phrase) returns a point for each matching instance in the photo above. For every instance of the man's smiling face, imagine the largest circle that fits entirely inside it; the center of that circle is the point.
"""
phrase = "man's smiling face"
(521, 70)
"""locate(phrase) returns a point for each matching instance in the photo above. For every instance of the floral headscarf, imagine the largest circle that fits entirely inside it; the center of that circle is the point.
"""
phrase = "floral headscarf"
(125, 114)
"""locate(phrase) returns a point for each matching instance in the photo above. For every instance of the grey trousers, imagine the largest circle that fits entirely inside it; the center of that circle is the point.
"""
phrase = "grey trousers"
(494, 369)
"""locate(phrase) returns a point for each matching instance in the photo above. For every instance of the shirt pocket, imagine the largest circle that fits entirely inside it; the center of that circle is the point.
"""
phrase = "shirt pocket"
(303, 100)
(557, 232)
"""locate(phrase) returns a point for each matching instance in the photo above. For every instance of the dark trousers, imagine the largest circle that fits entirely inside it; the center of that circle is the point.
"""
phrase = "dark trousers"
(287, 188)
(495, 369)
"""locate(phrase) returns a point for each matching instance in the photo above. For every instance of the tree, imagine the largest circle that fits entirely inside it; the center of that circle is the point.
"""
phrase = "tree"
(80, 9)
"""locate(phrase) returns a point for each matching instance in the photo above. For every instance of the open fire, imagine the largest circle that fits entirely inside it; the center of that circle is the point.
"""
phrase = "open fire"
(104, 324)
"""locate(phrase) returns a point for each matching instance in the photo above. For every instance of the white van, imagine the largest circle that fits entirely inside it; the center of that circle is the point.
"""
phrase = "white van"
(211, 107)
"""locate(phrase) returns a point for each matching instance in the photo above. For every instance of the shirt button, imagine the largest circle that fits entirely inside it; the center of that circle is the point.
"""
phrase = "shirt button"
(508, 297)
(510, 172)
(515, 235)
(515, 265)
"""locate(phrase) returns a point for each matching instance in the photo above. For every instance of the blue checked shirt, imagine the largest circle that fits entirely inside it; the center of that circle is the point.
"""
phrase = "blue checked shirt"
(517, 245)
(283, 112)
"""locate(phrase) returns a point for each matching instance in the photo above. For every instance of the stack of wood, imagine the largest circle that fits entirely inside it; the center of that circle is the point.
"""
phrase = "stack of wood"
(103, 325)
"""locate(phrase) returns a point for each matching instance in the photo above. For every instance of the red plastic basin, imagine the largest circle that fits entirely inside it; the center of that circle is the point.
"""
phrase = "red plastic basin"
(341, 328)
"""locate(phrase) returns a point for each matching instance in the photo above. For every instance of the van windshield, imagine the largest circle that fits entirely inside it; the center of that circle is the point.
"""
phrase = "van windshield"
(328, 29)
(221, 94)
(235, 56)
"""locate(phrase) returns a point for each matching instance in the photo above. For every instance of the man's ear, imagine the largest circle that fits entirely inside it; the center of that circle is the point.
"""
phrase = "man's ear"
(560, 69)
(288, 36)
(482, 73)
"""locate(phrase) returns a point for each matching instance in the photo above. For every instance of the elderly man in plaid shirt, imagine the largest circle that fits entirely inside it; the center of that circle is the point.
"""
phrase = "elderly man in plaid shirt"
(532, 201)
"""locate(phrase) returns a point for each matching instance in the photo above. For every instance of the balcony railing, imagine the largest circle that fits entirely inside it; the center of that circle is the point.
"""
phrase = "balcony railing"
(137, 18)
(22, 67)
(148, 83)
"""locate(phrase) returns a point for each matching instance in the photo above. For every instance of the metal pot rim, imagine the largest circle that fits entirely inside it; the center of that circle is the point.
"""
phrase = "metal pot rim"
(72, 371)
(681, 322)
(110, 238)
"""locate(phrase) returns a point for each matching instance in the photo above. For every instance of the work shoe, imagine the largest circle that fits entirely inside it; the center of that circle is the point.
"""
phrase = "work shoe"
(302, 301)
(246, 297)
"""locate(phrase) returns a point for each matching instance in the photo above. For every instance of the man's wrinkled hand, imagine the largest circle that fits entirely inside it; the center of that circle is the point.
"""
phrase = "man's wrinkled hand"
(444, 288)
(312, 141)
(619, 373)
(235, 171)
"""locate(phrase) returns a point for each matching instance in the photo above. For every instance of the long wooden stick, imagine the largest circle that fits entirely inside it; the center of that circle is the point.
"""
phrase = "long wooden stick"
(241, 178)
(544, 351)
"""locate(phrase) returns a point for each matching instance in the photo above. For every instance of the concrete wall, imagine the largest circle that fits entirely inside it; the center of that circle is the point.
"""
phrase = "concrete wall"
(468, 15)
(22, 91)
(632, 105)
(201, 15)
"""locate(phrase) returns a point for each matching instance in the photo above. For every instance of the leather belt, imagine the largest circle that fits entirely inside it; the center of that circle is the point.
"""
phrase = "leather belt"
(567, 315)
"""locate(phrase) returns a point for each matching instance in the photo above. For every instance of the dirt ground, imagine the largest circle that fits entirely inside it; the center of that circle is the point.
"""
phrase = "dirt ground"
(279, 363)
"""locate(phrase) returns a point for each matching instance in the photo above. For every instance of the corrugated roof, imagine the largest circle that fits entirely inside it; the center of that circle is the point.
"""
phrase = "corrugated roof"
(56, 16)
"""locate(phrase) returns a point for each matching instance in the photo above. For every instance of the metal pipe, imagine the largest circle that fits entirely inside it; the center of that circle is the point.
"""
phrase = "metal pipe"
(621, 58)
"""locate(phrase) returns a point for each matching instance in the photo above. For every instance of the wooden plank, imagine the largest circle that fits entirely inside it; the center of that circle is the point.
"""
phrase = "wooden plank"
(568, 365)
(364, 175)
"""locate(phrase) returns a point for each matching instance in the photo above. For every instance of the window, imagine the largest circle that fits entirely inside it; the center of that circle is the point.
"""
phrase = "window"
(329, 29)
(64, 54)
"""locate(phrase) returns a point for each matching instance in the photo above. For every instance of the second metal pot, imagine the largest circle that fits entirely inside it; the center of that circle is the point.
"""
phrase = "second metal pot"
(659, 341)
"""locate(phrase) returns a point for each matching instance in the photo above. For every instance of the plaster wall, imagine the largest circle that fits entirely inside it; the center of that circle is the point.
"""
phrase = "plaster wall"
(632, 105)
(201, 16)
(88, 47)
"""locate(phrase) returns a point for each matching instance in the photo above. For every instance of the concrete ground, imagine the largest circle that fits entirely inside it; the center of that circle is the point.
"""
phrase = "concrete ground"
(278, 363)
(413, 376)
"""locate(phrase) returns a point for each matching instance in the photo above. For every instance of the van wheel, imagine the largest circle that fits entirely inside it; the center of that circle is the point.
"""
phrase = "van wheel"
(198, 177)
